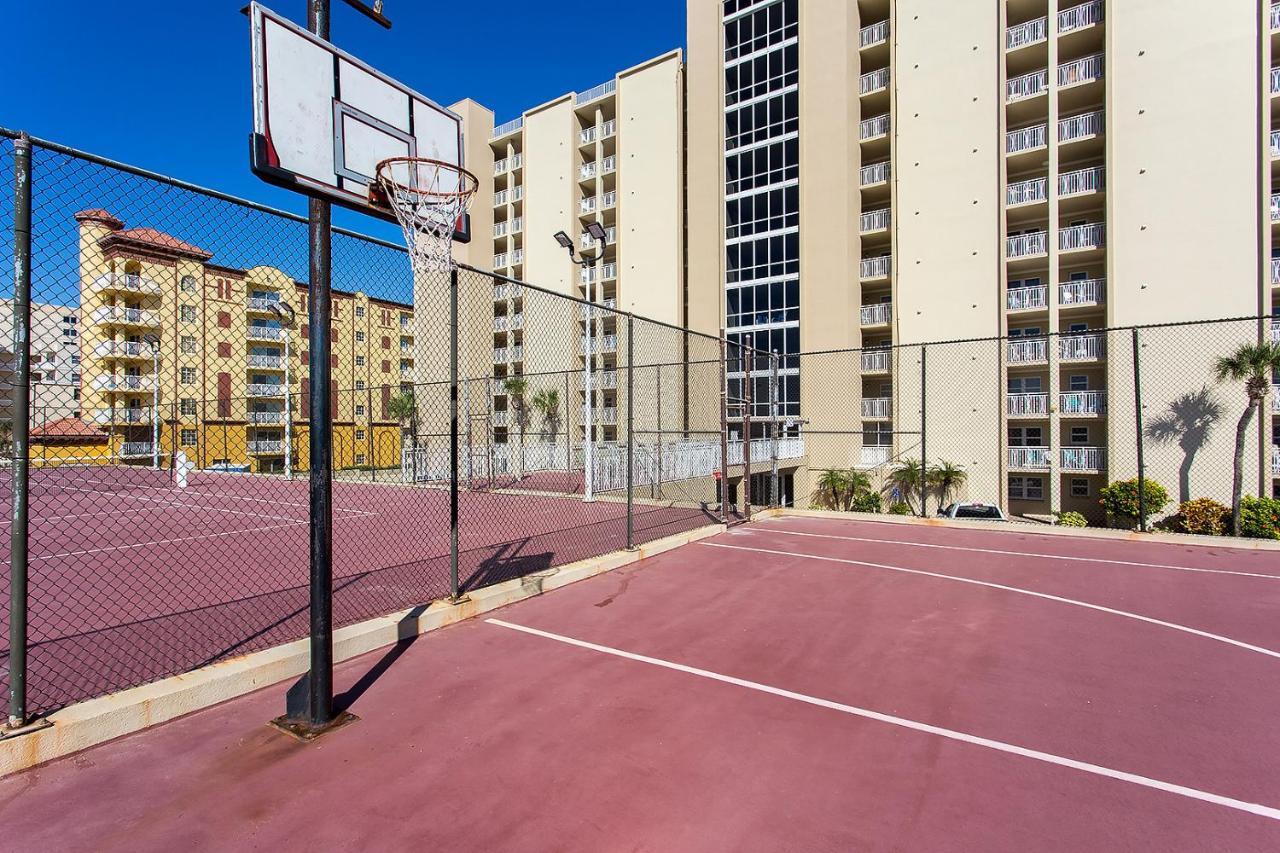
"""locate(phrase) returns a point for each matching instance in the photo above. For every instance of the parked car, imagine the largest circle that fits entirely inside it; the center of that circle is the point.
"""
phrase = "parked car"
(986, 512)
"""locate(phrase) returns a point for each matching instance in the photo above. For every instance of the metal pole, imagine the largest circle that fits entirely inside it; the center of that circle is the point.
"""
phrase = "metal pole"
(657, 480)
(588, 386)
(924, 449)
(453, 434)
(368, 420)
(21, 431)
(1137, 416)
(747, 393)
(471, 450)
(155, 406)
(288, 410)
(568, 428)
(774, 496)
(724, 430)
(631, 425)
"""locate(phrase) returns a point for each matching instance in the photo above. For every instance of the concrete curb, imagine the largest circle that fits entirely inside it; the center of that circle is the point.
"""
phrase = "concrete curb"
(1028, 529)
(96, 721)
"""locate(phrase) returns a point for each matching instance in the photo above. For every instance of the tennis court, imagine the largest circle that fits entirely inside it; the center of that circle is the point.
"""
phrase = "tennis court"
(133, 577)
(805, 684)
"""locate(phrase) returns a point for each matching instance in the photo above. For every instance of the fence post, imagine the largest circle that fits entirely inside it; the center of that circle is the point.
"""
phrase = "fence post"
(631, 425)
(1137, 414)
(924, 433)
(21, 428)
(774, 497)
(453, 434)
(724, 429)
(372, 458)
(656, 489)
(748, 402)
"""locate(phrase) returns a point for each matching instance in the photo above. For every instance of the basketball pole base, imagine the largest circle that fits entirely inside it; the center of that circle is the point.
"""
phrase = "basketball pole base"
(304, 731)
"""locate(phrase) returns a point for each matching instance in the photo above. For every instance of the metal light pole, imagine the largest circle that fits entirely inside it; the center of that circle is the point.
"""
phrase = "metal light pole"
(597, 233)
(154, 342)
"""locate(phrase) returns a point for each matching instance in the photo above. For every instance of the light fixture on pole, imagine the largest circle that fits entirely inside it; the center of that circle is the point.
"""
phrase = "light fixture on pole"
(285, 314)
(153, 341)
(597, 233)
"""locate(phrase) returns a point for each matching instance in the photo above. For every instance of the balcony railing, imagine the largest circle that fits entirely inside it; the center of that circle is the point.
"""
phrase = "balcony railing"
(265, 333)
(1027, 85)
(877, 314)
(606, 379)
(599, 344)
(877, 408)
(1026, 245)
(1029, 351)
(1028, 457)
(1086, 69)
(874, 456)
(1275, 207)
(604, 415)
(876, 361)
(610, 237)
(1026, 405)
(1081, 403)
(1275, 80)
(869, 268)
(1026, 139)
(267, 362)
(135, 448)
(500, 260)
(265, 448)
(126, 283)
(1025, 34)
(500, 355)
(121, 416)
(1082, 458)
(873, 128)
(873, 81)
(515, 161)
(264, 389)
(124, 316)
(587, 171)
(509, 226)
(499, 418)
(1275, 460)
(1275, 270)
(1027, 192)
(507, 127)
(1081, 126)
(875, 173)
(1275, 141)
(1080, 181)
(874, 34)
(1091, 236)
(1078, 17)
(1275, 331)
(265, 418)
(1078, 347)
(503, 292)
(125, 382)
(606, 88)
(588, 205)
(1089, 291)
(1027, 298)
(122, 349)
(1275, 16)
(1275, 398)
(874, 220)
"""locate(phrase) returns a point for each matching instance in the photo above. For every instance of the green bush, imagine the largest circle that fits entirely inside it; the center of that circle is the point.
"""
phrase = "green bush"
(1204, 516)
(866, 502)
(900, 508)
(1260, 518)
(1072, 519)
(1120, 500)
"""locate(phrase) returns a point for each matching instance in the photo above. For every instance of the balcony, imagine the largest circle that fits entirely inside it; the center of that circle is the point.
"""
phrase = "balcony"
(1079, 17)
(1275, 270)
(877, 33)
(1027, 86)
(508, 127)
(1275, 143)
(588, 135)
(874, 456)
(874, 220)
(265, 418)
(1031, 298)
(596, 92)
(1275, 460)
(126, 416)
(1027, 245)
(117, 315)
(1029, 33)
(1082, 181)
(266, 362)
(1086, 459)
(517, 353)
(1029, 458)
(1275, 207)
(873, 81)
(500, 260)
(603, 309)
(878, 314)
(266, 448)
(876, 361)
(1082, 237)
(1080, 347)
(1275, 16)
(1027, 192)
(499, 418)
(1275, 80)
(606, 416)
(264, 333)
(607, 271)
(586, 171)
(135, 449)
(600, 344)
(1082, 404)
(1029, 351)
(500, 355)
(1026, 139)
(125, 283)
(261, 304)
(1275, 398)
(122, 349)
(512, 195)
(873, 128)
(508, 226)
(125, 382)
(877, 408)
(1275, 331)
(1027, 405)
(873, 268)
(264, 389)
(875, 173)
(1087, 69)
(1081, 126)
(606, 379)
(508, 290)
(1090, 291)
(585, 241)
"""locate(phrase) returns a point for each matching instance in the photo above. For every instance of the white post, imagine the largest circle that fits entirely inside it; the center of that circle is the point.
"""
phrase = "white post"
(288, 412)
(155, 406)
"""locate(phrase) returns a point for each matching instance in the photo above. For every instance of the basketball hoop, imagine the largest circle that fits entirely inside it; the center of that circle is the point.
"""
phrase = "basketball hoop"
(429, 198)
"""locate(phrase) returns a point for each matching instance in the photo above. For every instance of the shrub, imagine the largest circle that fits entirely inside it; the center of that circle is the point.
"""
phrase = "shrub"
(866, 502)
(1120, 500)
(1204, 516)
(1072, 519)
(1260, 518)
(900, 508)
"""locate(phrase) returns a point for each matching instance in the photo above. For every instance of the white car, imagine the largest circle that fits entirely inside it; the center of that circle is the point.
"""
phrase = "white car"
(985, 512)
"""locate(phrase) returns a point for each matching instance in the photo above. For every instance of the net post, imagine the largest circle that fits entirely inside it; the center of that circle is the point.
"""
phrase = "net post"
(773, 430)
(747, 404)
(453, 434)
(924, 434)
(1137, 415)
(631, 447)
(724, 429)
(21, 432)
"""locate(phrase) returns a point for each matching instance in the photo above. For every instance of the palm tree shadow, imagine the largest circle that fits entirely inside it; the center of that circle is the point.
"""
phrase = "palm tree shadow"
(1188, 422)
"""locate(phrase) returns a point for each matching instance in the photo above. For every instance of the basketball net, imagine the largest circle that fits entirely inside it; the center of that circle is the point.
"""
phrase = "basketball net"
(428, 198)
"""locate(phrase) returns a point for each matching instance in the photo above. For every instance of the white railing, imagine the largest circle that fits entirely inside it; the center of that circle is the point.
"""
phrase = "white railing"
(517, 322)
(1077, 403)
(269, 362)
(127, 282)
(500, 355)
(877, 314)
(265, 418)
(261, 304)
(608, 200)
(875, 361)
(875, 267)
(406, 371)
(588, 205)
(1030, 351)
(874, 456)
(875, 173)
(874, 220)
(1275, 459)
(604, 308)
(506, 127)
(1024, 245)
(1275, 270)
(500, 197)
(500, 166)
(517, 225)
(264, 389)
(135, 448)
(1027, 192)
(1275, 80)
(125, 382)
(609, 128)
(1275, 398)
(1090, 180)
(873, 127)
(1275, 143)
(517, 257)
(499, 418)
(594, 92)
(1027, 298)
(517, 352)
(1026, 405)
(1086, 69)
(1076, 347)
(1091, 236)
(1081, 126)
(500, 260)
(587, 135)
(1090, 291)
(1082, 458)
(121, 416)
(1275, 331)
(1025, 34)
(873, 34)
(606, 379)
(600, 343)
(1028, 457)
(1027, 85)
(128, 316)
(500, 323)
(586, 241)
(131, 349)
(1275, 207)
(609, 271)
(261, 447)
(1080, 16)
(1026, 138)
(265, 333)
(877, 408)
(609, 164)
(603, 415)
(587, 171)
(1275, 16)
(873, 81)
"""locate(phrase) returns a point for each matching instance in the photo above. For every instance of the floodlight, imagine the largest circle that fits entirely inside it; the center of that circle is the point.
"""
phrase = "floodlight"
(564, 240)
(596, 230)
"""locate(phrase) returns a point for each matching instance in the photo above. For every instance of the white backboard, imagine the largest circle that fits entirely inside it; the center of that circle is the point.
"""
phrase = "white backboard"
(323, 120)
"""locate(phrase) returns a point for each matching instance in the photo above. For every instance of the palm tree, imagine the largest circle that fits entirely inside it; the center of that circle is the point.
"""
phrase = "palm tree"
(856, 484)
(831, 488)
(907, 479)
(516, 386)
(1253, 365)
(404, 408)
(946, 478)
(547, 402)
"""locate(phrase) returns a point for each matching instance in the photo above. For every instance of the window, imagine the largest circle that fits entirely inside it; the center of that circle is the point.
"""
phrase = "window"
(359, 361)
(1025, 332)
(188, 375)
(877, 434)
(187, 313)
(762, 167)
(359, 458)
(360, 410)
(187, 406)
(1079, 435)
(1026, 488)
(404, 321)
(359, 337)
(1026, 437)
(189, 438)
(1079, 276)
(359, 385)
(188, 285)
(1079, 487)
(978, 511)
(359, 435)
(758, 29)
(359, 313)
(1079, 383)
(1026, 385)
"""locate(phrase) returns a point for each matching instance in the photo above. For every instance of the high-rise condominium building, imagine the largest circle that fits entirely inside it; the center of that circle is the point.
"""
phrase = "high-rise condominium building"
(888, 172)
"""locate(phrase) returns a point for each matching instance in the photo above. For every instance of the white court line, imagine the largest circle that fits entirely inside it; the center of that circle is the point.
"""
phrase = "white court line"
(172, 541)
(199, 493)
(914, 725)
(1014, 553)
(173, 504)
(1043, 595)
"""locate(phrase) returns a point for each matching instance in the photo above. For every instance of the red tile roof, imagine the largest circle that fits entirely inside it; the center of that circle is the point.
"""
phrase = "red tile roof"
(68, 428)
(99, 215)
(151, 238)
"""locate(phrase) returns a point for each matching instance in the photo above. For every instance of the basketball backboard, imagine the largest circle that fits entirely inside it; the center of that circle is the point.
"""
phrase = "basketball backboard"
(323, 120)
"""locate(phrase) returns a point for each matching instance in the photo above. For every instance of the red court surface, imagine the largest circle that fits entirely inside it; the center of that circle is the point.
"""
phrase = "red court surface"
(793, 684)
